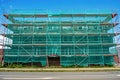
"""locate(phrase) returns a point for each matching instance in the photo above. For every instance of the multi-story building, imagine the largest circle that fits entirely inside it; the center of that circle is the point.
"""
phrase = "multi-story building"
(60, 38)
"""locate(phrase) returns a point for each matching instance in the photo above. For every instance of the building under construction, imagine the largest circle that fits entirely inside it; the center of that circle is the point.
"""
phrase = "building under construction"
(61, 38)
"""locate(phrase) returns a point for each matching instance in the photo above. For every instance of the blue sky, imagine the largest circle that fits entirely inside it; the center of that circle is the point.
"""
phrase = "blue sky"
(60, 4)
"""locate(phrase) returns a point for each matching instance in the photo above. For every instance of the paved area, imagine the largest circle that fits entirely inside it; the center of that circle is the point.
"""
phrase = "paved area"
(114, 75)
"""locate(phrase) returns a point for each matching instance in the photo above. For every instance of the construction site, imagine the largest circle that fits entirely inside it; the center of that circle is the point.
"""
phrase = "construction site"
(59, 38)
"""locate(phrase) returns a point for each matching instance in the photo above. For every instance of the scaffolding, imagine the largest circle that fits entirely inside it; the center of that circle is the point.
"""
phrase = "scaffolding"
(60, 38)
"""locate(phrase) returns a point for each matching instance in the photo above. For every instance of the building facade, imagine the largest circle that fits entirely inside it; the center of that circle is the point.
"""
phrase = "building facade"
(60, 38)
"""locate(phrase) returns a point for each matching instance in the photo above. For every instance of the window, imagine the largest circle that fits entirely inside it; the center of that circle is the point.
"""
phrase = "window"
(67, 27)
(79, 27)
(53, 27)
(95, 27)
(40, 28)
(25, 28)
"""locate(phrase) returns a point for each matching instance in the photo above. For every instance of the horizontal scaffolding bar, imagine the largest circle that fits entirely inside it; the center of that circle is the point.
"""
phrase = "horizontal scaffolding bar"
(59, 15)
(104, 44)
(62, 34)
(63, 55)
(61, 24)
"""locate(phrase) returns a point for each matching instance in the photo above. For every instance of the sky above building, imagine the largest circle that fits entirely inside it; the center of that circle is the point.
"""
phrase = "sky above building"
(60, 4)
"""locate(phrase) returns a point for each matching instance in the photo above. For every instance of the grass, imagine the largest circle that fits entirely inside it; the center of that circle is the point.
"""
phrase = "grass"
(34, 66)
(72, 68)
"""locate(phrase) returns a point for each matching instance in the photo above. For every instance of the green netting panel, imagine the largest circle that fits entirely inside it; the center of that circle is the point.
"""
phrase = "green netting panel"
(109, 60)
(67, 50)
(74, 60)
(29, 39)
(53, 50)
(28, 50)
(81, 61)
(21, 28)
(67, 39)
(24, 59)
(96, 60)
(43, 61)
(67, 61)
(11, 59)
